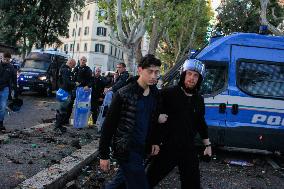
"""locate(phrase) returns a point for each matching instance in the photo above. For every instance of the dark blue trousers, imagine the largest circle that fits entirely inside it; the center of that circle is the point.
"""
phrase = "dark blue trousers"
(132, 173)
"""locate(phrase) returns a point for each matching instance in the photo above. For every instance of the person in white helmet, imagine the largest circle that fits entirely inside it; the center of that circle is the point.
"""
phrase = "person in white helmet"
(183, 117)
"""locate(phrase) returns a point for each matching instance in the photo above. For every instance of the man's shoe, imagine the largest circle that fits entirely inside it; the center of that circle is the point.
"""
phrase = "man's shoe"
(2, 129)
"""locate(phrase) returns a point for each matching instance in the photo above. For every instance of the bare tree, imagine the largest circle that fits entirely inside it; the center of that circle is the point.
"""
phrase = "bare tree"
(130, 28)
(264, 20)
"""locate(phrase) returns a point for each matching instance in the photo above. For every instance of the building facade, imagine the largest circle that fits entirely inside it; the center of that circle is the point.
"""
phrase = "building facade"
(91, 38)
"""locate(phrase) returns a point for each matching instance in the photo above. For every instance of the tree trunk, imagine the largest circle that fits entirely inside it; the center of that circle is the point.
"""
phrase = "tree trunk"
(155, 37)
(138, 54)
(129, 60)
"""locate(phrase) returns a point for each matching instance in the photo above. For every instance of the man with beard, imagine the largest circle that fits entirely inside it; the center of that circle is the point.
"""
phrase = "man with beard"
(183, 116)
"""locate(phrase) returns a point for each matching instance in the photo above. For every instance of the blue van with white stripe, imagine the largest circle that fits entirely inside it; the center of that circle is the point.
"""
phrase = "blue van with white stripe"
(243, 90)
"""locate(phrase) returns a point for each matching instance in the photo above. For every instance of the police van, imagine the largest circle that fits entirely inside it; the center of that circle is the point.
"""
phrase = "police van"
(243, 90)
(39, 71)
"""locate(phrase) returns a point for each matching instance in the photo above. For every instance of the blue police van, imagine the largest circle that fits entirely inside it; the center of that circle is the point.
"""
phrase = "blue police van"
(243, 90)
(39, 71)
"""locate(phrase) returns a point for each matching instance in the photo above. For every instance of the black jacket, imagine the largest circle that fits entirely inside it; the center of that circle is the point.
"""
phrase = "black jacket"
(121, 120)
(120, 81)
(83, 75)
(185, 118)
(98, 84)
(8, 76)
(66, 81)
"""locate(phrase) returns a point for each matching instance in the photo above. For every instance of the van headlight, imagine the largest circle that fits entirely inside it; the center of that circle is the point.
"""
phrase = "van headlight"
(42, 78)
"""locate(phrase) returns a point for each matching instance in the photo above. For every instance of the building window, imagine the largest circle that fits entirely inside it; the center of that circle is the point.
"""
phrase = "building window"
(78, 47)
(111, 50)
(66, 47)
(122, 55)
(79, 32)
(71, 48)
(101, 31)
(88, 15)
(67, 33)
(73, 33)
(75, 18)
(101, 12)
(85, 47)
(100, 48)
(86, 32)
(118, 54)
(81, 17)
(115, 51)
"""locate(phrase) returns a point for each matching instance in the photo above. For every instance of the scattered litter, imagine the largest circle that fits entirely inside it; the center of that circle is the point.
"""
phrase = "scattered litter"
(242, 163)
(34, 145)
(19, 175)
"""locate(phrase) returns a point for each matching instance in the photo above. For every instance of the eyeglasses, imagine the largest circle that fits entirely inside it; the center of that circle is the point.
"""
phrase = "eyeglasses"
(84, 60)
(118, 67)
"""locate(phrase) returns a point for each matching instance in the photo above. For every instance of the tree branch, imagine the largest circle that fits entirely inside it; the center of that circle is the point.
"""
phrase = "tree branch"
(121, 34)
(263, 18)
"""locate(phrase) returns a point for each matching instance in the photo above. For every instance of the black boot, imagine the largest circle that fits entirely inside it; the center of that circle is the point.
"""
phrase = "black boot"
(59, 123)
(2, 128)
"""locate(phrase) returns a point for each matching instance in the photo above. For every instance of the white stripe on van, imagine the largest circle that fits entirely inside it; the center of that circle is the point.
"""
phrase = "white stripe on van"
(248, 103)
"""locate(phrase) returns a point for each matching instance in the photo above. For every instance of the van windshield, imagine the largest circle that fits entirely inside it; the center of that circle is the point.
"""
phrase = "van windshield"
(36, 64)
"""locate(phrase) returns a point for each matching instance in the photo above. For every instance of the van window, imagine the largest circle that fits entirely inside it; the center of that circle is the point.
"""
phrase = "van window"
(215, 79)
(264, 79)
(36, 64)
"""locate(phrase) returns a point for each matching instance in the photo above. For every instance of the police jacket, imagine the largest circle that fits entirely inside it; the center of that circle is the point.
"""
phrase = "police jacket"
(121, 121)
(98, 84)
(8, 76)
(66, 81)
(83, 75)
(120, 81)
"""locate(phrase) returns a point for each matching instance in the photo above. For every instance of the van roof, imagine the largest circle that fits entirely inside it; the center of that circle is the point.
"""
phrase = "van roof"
(219, 50)
(51, 51)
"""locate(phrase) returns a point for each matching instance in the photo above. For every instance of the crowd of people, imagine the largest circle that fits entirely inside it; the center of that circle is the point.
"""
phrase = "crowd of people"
(141, 123)
(72, 76)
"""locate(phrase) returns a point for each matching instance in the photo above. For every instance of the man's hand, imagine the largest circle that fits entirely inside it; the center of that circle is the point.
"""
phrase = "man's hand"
(155, 150)
(208, 151)
(104, 164)
(162, 118)
(86, 88)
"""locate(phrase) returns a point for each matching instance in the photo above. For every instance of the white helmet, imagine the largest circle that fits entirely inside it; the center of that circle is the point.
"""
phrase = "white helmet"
(194, 65)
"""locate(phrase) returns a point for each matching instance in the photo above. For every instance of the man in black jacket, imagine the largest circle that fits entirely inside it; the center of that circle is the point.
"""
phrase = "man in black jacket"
(98, 85)
(8, 81)
(83, 74)
(120, 81)
(130, 125)
(183, 117)
(67, 83)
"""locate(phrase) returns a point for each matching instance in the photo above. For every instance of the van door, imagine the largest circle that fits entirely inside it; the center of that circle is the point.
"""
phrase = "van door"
(214, 90)
(255, 102)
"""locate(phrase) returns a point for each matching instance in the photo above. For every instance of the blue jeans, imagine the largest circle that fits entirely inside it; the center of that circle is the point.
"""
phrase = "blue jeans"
(132, 173)
(3, 102)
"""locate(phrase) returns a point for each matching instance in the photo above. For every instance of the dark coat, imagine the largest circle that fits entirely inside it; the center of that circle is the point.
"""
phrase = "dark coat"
(66, 81)
(121, 121)
(83, 75)
(8, 76)
(98, 84)
(120, 81)
(185, 118)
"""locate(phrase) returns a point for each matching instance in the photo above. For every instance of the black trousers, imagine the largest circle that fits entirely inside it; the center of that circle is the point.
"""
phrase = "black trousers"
(95, 105)
(64, 112)
(167, 160)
